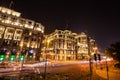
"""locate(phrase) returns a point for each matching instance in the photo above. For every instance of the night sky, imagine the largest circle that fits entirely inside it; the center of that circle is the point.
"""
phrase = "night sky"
(101, 20)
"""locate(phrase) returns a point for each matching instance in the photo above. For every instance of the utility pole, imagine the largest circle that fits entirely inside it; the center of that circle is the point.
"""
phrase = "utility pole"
(90, 62)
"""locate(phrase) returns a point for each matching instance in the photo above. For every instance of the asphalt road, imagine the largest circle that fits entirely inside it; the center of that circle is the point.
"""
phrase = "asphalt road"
(71, 72)
(65, 72)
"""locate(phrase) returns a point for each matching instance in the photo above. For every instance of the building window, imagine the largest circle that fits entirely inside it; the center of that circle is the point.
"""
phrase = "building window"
(8, 36)
(33, 39)
(17, 37)
(18, 34)
(13, 19)
(4, 16)
(30, 23)
(15, 43)
(60, 35)
(26, 32)
(22, 21)
(6, 43)
(26, 38)
(13, 52)
(10, 30)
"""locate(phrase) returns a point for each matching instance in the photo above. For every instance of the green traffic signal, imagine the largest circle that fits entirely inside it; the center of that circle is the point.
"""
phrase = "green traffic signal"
(21, 58)
(2, 57)
(12, 57)
(30, 56)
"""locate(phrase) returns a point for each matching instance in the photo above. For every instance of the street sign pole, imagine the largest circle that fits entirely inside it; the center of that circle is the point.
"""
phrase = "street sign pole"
(107, 69)
(44, 76)
(90, 61)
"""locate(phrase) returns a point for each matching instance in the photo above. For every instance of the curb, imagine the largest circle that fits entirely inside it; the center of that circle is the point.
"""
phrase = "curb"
(111, 75)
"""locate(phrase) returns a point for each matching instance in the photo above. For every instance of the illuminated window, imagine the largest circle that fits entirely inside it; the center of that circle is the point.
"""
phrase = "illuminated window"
(18, 34)
(10, 30)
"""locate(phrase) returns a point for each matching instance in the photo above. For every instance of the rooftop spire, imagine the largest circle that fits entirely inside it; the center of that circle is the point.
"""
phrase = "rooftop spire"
(11, 3)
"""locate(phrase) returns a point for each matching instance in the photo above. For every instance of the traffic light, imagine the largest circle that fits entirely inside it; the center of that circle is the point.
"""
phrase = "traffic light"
(3, 51)
(13, 52)
(30, 56)
(95, 57)
(12, 57)
(21, 57)
(99, 57)
(2, 57)
(30, 53)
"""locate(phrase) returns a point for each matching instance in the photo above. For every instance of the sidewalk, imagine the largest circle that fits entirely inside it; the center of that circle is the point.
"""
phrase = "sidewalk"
(113, 73)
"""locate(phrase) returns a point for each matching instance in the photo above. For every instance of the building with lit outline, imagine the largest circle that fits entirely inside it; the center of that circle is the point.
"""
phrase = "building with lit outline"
(19, 37)
(82, 46)
(66, 45)
(61, 45)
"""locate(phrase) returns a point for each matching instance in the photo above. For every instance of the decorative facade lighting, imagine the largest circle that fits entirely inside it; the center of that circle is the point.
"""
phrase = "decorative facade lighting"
(17, 32)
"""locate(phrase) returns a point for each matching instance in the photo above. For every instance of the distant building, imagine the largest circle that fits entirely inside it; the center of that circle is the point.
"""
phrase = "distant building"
(82, 46)
(19, 37)
(66, 45)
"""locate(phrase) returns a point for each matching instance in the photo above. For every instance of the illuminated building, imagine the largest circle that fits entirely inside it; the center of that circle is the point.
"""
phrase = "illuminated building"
(67, 45)
(61, 45)
(19, 37)
(82, 46)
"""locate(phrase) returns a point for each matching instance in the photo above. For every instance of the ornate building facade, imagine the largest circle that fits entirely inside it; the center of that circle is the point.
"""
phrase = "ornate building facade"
(67, 45)
(82, 46)
(19, 37)
(61, 45)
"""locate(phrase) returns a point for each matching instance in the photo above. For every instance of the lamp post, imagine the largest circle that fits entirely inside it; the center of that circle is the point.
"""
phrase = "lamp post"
(46, 53)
